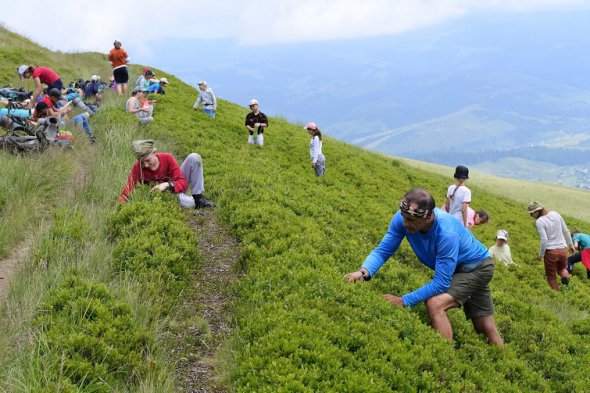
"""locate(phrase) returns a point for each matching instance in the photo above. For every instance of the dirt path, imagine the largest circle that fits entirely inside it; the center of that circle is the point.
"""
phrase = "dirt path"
(9, 265)
(209, 303)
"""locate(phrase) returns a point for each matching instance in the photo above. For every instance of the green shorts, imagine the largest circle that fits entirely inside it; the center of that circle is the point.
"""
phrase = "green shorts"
(472, 290)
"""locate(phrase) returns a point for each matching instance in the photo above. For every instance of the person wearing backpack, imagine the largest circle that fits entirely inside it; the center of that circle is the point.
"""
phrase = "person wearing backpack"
(318, 161)
(459, 196)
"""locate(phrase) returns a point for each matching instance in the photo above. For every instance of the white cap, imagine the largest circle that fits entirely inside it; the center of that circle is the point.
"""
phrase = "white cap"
(253, 101)
(94, 78)
(164, 80)
(22, 69)
(204, 83)
(502, 234)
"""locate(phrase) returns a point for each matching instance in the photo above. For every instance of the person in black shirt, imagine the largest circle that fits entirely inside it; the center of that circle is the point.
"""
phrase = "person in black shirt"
(256, 121)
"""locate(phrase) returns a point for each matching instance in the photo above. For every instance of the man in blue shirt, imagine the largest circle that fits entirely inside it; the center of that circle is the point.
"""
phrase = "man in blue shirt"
(462, 265)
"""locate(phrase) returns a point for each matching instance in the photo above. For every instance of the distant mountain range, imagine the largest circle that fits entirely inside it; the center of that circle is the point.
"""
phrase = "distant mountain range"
(479, 91)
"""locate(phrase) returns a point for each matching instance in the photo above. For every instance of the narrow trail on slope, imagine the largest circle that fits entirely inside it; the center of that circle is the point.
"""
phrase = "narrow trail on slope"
(9, 265)
(210, 300)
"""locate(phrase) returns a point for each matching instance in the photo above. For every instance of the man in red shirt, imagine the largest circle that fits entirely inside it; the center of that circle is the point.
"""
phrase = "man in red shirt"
(162, 170)
(119, 59)
(40, 75)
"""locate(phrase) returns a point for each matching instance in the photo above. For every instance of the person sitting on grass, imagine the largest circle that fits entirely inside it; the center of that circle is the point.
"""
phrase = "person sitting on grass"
(162, 170)
(52, 101)
(581, 243)
(501, 250)
(462, 265)
(140, 106)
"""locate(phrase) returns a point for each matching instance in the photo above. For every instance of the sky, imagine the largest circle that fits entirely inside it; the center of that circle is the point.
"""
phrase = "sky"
(94, 25)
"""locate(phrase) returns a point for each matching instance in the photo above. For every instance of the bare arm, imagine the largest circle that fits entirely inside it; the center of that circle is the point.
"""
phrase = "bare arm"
(464, 207)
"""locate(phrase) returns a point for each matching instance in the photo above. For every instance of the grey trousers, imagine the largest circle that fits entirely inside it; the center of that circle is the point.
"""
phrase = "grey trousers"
(192, 169)
(320, 166)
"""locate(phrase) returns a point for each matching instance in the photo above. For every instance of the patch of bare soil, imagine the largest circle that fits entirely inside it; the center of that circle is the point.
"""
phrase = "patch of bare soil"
(205, 316)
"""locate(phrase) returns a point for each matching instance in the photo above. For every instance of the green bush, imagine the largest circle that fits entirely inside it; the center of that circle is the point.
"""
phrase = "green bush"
(89, 339)
(155, 243)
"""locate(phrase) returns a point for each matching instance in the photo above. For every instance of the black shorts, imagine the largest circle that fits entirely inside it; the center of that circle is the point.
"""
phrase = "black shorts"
(58, 84)
(121, 75)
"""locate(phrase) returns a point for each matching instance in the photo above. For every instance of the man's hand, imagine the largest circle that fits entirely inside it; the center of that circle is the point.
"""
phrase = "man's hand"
(256, 125)
(313, 165)
(160, 187)
(573, 249)
(539, 257)
(354, 277)
(395, 300)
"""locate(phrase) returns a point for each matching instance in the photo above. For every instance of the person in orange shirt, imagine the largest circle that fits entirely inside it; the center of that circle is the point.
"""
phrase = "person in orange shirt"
(119, 59)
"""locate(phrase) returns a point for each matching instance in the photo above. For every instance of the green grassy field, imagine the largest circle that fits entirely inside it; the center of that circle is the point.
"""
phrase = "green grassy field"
(299, 326)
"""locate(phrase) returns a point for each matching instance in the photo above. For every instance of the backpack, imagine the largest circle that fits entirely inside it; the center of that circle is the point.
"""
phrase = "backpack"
(44, 134)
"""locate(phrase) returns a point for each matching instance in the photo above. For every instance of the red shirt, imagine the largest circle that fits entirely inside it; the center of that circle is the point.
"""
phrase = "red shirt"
(45, 75)
(118, 57)
(49, 103)
(168, 170)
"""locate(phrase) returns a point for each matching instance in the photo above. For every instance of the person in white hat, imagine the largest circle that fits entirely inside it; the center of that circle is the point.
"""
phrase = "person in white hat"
(256, 121)
(93, 90)
(207, 98)
(501, 250)
(41, 75)
(158, 87)
(119, 59)
(318, 161)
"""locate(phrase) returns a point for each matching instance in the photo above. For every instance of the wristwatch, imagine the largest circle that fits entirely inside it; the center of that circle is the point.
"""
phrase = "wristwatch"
(365, 274)
(171, 185)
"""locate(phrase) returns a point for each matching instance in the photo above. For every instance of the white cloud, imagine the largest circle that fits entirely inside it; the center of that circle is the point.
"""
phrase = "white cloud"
(89, 26)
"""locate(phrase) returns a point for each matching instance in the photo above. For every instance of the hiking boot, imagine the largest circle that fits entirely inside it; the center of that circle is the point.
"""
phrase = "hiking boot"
(201, 202)
(565, 280)
(92, 140)
(588, 274)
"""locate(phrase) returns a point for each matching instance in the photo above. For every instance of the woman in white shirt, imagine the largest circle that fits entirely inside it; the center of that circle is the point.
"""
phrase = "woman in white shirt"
(459, 196)
(318, 161)
(554, 238)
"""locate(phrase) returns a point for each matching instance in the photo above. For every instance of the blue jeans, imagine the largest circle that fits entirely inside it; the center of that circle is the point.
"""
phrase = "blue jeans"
(209, 112)
(82, 122)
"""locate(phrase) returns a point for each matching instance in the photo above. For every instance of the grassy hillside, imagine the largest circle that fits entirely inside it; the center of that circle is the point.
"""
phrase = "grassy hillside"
(299, 325)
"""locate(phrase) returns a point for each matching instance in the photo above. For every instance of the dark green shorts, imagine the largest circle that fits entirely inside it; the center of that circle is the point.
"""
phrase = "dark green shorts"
(472, 290)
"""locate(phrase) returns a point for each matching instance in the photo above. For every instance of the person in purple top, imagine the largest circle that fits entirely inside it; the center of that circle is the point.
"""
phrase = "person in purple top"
(462, 265)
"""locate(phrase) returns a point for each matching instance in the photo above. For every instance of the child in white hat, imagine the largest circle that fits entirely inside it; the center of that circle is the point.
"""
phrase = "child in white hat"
(501, 250)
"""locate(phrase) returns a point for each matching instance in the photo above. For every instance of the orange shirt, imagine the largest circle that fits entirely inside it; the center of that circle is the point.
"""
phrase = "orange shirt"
(118, 57)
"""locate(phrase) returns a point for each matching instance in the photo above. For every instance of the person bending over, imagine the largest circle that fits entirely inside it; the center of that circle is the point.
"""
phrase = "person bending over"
(462, 265)
(162, 170)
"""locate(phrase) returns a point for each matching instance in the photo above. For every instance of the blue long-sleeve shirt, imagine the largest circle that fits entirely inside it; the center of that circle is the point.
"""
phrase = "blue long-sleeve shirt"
(446, 245)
